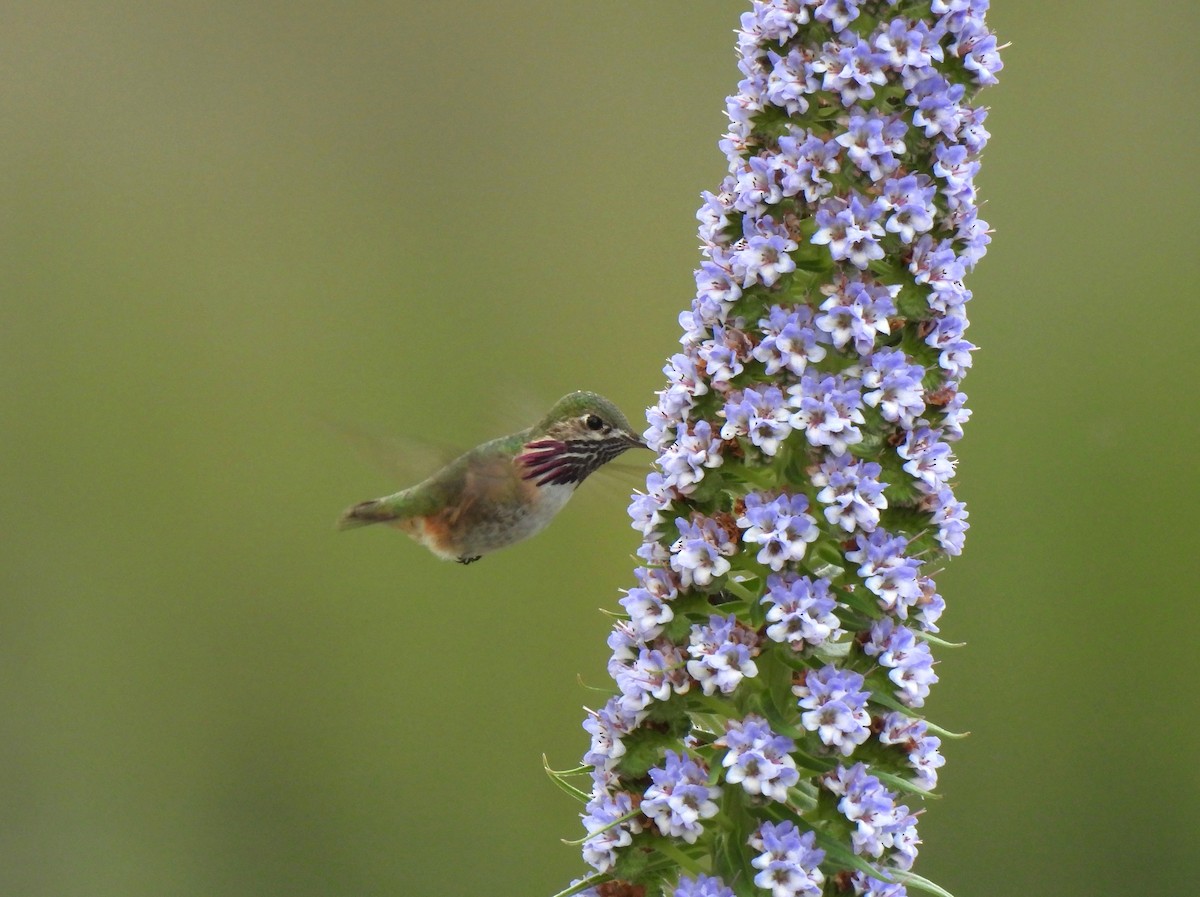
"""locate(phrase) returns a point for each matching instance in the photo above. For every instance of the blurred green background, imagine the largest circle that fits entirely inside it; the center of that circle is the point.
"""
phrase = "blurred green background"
(221, 221)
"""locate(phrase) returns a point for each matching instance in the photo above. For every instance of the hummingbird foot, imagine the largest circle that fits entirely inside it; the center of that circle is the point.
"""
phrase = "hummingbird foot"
(464, 560)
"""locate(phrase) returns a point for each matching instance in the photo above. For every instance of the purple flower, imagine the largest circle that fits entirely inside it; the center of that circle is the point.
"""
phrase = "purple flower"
(950, 517)
(723, 354)
(893, 385)
(722, 653)
(910, 200)
(679, 799)
(790, 80)
(758, 759)
(851, 492)
(647, 613)
(955, 413)
(938, 106)
(866, 886)
(682, 372)
(909, 660)
(836, 707)
(909, 48)
(768, 22)
(801, 611)
(971, 132)
(676, 401)
(971, 231)
(881, 824)
(715, 283)
(946, 335)
(927, 458)
(683, 463)
(930, 606)
(759, 414)
(893, 578)
(980, 55)
(653, 675)
(600, 849)
(938, 266)
(850, 229)
(763, 259)
(699, 554)
(648, 605)
(803, 162)
(857, 311)
(958, 170)
(756, 186)
(783, 527)
(646, 509)
(838, 13)
(921, 749)
(713, 215)
(828, 410)
(743, 106)
(789, 862)
(702, 886)
(789, 341)
(856, 71)
(608, 726)
(873, 141)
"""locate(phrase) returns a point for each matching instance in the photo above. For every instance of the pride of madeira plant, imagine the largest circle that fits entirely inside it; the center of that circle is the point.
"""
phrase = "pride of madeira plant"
(773, 659)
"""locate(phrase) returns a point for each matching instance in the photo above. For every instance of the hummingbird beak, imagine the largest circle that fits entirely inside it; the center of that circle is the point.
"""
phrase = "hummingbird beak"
(635, 440)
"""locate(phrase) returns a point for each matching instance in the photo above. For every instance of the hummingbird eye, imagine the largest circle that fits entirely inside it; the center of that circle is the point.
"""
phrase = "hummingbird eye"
(593, 422)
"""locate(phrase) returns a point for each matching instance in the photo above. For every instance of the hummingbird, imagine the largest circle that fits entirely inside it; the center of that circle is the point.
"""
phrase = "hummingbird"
(507, 489)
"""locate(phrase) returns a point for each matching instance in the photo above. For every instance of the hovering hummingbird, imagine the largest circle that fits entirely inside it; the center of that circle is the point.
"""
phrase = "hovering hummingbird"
(508, 489)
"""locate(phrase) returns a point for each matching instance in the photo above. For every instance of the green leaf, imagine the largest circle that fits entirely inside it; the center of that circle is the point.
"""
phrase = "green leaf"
(842, 855)
(607, 690)
(864, 603)
(596, 878)
(777, 674)
(885, 700)
(827, 552)
(833, 651)
(912, 880)
(559, 779)
(945, 733)
(577, 771)
(902, 784)
(580, 796)
(591, 834)
(740, 589)
(731, 859)
(794, 661)
(677, 856)
(934, 640)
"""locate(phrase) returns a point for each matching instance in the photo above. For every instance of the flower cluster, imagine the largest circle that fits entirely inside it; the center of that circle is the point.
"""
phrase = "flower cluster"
(880, 823)
(772, 659)
(789, 864)
(679, 798)
(835, 707)
(758, 759)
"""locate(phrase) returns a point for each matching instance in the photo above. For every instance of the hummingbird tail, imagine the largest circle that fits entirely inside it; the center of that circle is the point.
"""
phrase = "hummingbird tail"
(365, 513)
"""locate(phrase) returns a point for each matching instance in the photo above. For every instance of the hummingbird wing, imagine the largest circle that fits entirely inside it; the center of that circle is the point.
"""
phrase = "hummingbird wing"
(488, 478)
(404, 460)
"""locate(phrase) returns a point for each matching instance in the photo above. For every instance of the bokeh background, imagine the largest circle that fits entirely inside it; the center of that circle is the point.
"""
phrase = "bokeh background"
(222, 222)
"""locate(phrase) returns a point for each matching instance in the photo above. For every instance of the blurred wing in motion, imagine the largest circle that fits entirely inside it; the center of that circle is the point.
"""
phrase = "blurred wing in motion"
(403, 460)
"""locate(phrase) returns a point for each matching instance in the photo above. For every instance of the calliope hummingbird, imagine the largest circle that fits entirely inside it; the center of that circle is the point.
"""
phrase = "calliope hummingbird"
(508, 489)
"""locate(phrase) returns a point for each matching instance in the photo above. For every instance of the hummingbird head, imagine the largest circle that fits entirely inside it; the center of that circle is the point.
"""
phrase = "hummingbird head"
(582, 432)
